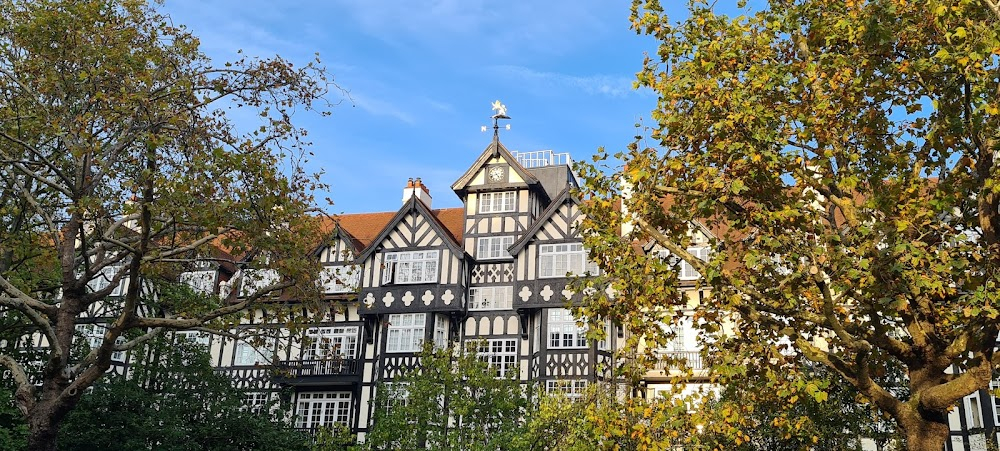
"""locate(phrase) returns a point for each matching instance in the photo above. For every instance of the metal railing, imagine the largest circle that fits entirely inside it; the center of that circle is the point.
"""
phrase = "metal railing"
(320, 367)
(541, 158)
(675, 360)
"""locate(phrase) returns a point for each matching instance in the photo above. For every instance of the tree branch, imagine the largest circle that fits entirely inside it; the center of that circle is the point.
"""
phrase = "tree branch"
(25, 392)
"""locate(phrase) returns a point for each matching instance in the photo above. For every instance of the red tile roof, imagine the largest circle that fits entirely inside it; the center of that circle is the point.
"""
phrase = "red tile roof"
(365, 227)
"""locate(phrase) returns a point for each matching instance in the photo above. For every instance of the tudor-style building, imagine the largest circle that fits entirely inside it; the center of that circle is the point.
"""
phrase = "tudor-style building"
(492, 272)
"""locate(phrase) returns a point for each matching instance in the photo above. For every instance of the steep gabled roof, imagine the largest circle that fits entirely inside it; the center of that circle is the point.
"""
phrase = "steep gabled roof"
(451, 236)
(561, 199)
(495, 149)
(362, 228)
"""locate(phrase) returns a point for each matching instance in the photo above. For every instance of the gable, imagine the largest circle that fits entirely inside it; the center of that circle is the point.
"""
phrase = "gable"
(557, 222)
(509, 172)
(414, 225)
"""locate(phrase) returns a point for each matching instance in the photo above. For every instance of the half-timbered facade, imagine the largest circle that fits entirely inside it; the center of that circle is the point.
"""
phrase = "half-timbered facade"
(492, 275)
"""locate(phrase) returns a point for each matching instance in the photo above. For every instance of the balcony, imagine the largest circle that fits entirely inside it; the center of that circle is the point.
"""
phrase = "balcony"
(676, 360)
(319, 367)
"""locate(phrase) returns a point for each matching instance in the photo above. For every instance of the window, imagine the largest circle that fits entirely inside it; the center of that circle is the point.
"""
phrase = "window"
(493, 247)
(500, 354)
(397, 394)
(323, 409)
(256, 401)
(563, 330)
(199, 281)
(686, 271)
(405, 332)
(556, 260)
(497, 202)
(248, 354)
(440, 331)
(93, 335)
(573, 389)
(410, 267)
(340, 279)
(255, 280)
(491, 298)
(104, 278)
(994, 386)
(193, 336)
(327, 342)
(975, 414)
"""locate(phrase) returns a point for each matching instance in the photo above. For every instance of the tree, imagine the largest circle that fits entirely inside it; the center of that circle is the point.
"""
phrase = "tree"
(452, 400)
(810, 412)
(120, 169)
(174, 400)
(843, 155)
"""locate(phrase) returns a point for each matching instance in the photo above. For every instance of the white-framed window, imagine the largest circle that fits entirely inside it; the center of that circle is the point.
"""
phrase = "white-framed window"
(563, 331)
(497, 202)
(491, 298)
(340, 279)
(193, 336)
(410, 267)
(255, 280)
(397, 394)
(199, 281)
(557, 260)
(405, 332)
(248, 354)
(440, 331)
(573, 389)
(104, 278)
(994, 386)
(93, 335)
(500, 354)
(316, 409)
(327, 342)
(686, 271)
(975, 412)
(256, 401)
(493, 247)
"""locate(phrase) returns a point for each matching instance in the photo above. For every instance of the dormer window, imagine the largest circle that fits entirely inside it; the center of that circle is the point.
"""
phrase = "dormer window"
(410, 267)
(686, 271)
(340, 279)
(500, 202)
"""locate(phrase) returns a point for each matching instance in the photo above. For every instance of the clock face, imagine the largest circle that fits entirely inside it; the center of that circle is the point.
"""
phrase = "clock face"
(496, 173)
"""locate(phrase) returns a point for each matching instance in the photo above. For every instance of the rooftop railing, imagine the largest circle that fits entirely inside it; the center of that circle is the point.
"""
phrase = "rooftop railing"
(542, 158)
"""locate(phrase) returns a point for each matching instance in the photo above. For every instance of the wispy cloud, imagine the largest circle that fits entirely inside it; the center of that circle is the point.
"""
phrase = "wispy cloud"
(606, 85)
(502, 28)
(379, 107)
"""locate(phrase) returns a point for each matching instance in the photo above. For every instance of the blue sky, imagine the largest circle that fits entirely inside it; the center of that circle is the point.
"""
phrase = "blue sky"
(422, 74)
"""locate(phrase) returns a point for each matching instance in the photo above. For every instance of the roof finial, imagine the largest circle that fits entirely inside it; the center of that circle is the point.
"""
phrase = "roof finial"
(501, 113)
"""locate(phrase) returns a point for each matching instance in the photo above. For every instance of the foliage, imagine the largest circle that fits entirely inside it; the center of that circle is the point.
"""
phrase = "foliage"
(452, 401)
(812, 411)
(174, 400)
(121, 169)
(13, 431)
(842, 153)
(744, 415)
(335, 438)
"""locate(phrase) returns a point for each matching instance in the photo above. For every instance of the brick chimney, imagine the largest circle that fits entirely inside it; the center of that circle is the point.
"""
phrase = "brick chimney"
(416, 188)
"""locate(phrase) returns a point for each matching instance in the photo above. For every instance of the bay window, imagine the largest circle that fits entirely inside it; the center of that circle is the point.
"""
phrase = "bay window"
(558, 260)
(405, 332)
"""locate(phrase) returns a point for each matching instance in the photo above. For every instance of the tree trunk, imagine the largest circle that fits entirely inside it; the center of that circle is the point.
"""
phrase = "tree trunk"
(42, 433)
(925, 431)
